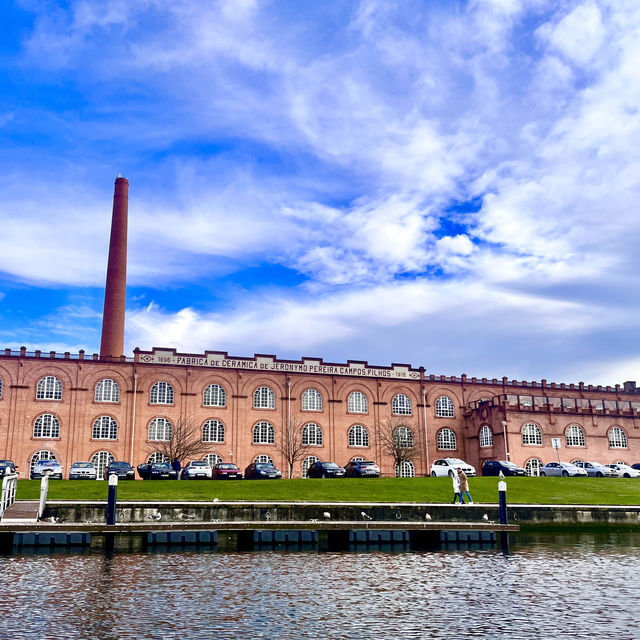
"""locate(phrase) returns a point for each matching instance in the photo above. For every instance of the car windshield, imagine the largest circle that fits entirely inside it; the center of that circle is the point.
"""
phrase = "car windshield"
(330, 465)
(264, 465)
(119, 465)
(49, 463)
(228, 466)
(82, 465)
(455, 461)
(366, 463)
(5, 464)
(198, 464)
(161, 465)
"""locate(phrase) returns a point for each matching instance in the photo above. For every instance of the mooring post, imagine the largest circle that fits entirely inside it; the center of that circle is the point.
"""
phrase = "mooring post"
(502, 492)
(111, 500)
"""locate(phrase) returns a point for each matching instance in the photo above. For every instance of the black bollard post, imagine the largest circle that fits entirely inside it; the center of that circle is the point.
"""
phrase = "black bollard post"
(111, 500)
(502, 492)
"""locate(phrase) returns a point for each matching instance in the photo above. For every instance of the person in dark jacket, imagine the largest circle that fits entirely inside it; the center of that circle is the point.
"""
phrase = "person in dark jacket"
(175, 465)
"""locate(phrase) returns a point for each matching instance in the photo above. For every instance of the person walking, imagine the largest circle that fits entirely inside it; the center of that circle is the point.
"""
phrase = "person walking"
(464, 486)
(456, 486)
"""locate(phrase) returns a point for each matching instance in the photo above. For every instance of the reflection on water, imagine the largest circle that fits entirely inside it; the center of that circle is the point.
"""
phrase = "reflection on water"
(550, 586)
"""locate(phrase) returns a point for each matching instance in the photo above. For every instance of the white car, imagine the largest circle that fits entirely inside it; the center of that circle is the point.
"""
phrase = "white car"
(197, 469)
(447, 466)
(624, 470)
(564, 469)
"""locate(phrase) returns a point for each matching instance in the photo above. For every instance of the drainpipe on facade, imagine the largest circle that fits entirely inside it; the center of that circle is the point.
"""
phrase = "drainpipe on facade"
(133, 417)
(506, 440)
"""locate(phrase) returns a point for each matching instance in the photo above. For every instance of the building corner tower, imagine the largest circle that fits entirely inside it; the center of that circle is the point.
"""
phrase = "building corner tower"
(112, 342)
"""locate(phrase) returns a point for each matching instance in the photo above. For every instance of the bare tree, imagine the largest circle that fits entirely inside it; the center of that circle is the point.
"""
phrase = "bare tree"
(290, 442)
(399, 438)
(185, 442)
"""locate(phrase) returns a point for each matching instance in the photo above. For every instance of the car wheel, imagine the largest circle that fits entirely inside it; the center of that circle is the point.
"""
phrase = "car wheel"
(451, 474)
(565, 474)
(543, 474)
(433, 474)
(598, 475)
(626, 475)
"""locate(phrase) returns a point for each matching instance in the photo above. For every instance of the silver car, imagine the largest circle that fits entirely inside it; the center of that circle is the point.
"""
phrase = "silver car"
(596, 470)
(561, 469)
(624, 470)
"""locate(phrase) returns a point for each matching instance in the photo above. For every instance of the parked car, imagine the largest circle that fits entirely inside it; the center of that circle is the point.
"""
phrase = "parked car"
(636, 465)
(596, 470)
(362, 469)
(82, 471)
(325, 470)
(51, 468)
(624, 470)
(561, 469)
(447, 467)
(226, 471)
(6, 467)
(494, 467)
(123, 470)
(157, 471)
(262, 471)
(196, 469)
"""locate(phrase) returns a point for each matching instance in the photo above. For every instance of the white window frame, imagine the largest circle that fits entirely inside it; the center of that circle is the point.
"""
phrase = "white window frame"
(575, 436)
(357, 402)
(358, 436)
(161, 393)
(531, 434)
(312, 435)
(158, 456)
(485, 437)
(447, 440)
(263, 458)
(405, 469)
(104, 428)
(263, 433)
(306, 463)
(264, 398)
(311, 400)
(212, 459)
(401, 405)
(403, 437)
(617, 438)
(49, 388)
(532, 466)
(107, 390)
(100, 460)
(213, 431)
(161, 429)
(214, 395)
(43, 454)
(46, 426)
(445, 407)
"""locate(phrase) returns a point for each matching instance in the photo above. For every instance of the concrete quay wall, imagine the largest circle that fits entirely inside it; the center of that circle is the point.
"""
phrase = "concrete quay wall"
(209, 512)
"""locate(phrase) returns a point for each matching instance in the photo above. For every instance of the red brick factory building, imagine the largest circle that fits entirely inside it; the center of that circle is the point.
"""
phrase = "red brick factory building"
(108, 406)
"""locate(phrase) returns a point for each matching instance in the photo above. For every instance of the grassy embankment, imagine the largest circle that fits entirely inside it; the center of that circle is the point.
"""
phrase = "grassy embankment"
(606, 491)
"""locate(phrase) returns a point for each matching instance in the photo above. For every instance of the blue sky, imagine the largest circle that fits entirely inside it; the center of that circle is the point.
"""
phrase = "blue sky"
(447, 184)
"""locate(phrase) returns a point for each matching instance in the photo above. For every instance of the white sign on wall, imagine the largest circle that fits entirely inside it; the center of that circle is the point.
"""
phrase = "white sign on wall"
(555, 443)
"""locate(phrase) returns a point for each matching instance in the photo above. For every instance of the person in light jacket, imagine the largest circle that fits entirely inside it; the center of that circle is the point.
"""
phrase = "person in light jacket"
(456, 486)
(464, 486)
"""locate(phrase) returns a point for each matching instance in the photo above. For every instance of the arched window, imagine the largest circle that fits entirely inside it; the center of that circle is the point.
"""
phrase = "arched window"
(532, 466)
(46, 426)
(306, 463)
(43, 454)
(312, 434)
(104, 428)
(107, 390)
(49, 388)
(444, 407)
(264, 459)
(100, 461)
(212, 459)
(446, 440)
(158, 457)
(358, 436)
(264, 398)
(403, 437)
(160, 429)
(311, 400)
(531, 434)
(486, 436)
(161, 393)
(357, 402)
(263, 433)
(405, 469)
(575, 436)
(213, 431)
(617, 438)
(214, 396)
(401, 405)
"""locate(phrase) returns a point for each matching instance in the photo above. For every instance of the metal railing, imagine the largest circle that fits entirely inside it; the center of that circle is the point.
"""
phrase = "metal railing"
(9, 486)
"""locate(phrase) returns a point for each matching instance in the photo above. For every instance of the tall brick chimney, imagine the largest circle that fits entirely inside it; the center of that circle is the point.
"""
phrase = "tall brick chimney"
(112, 343)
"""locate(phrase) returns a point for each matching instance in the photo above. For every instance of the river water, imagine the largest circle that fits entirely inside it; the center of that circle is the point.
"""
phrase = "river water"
(548, 586)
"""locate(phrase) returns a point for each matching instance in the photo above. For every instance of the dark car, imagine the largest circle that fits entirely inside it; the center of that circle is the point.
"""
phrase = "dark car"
(362, 469)
(157, 471)
(6, 467)
(494, 467)
(325, 470)
(262, 471)
(82, 471)
(123, 470)
(226, 471)
(636, 465)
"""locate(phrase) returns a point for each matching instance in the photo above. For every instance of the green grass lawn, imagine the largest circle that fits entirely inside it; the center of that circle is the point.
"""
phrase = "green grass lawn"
(609, 491)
